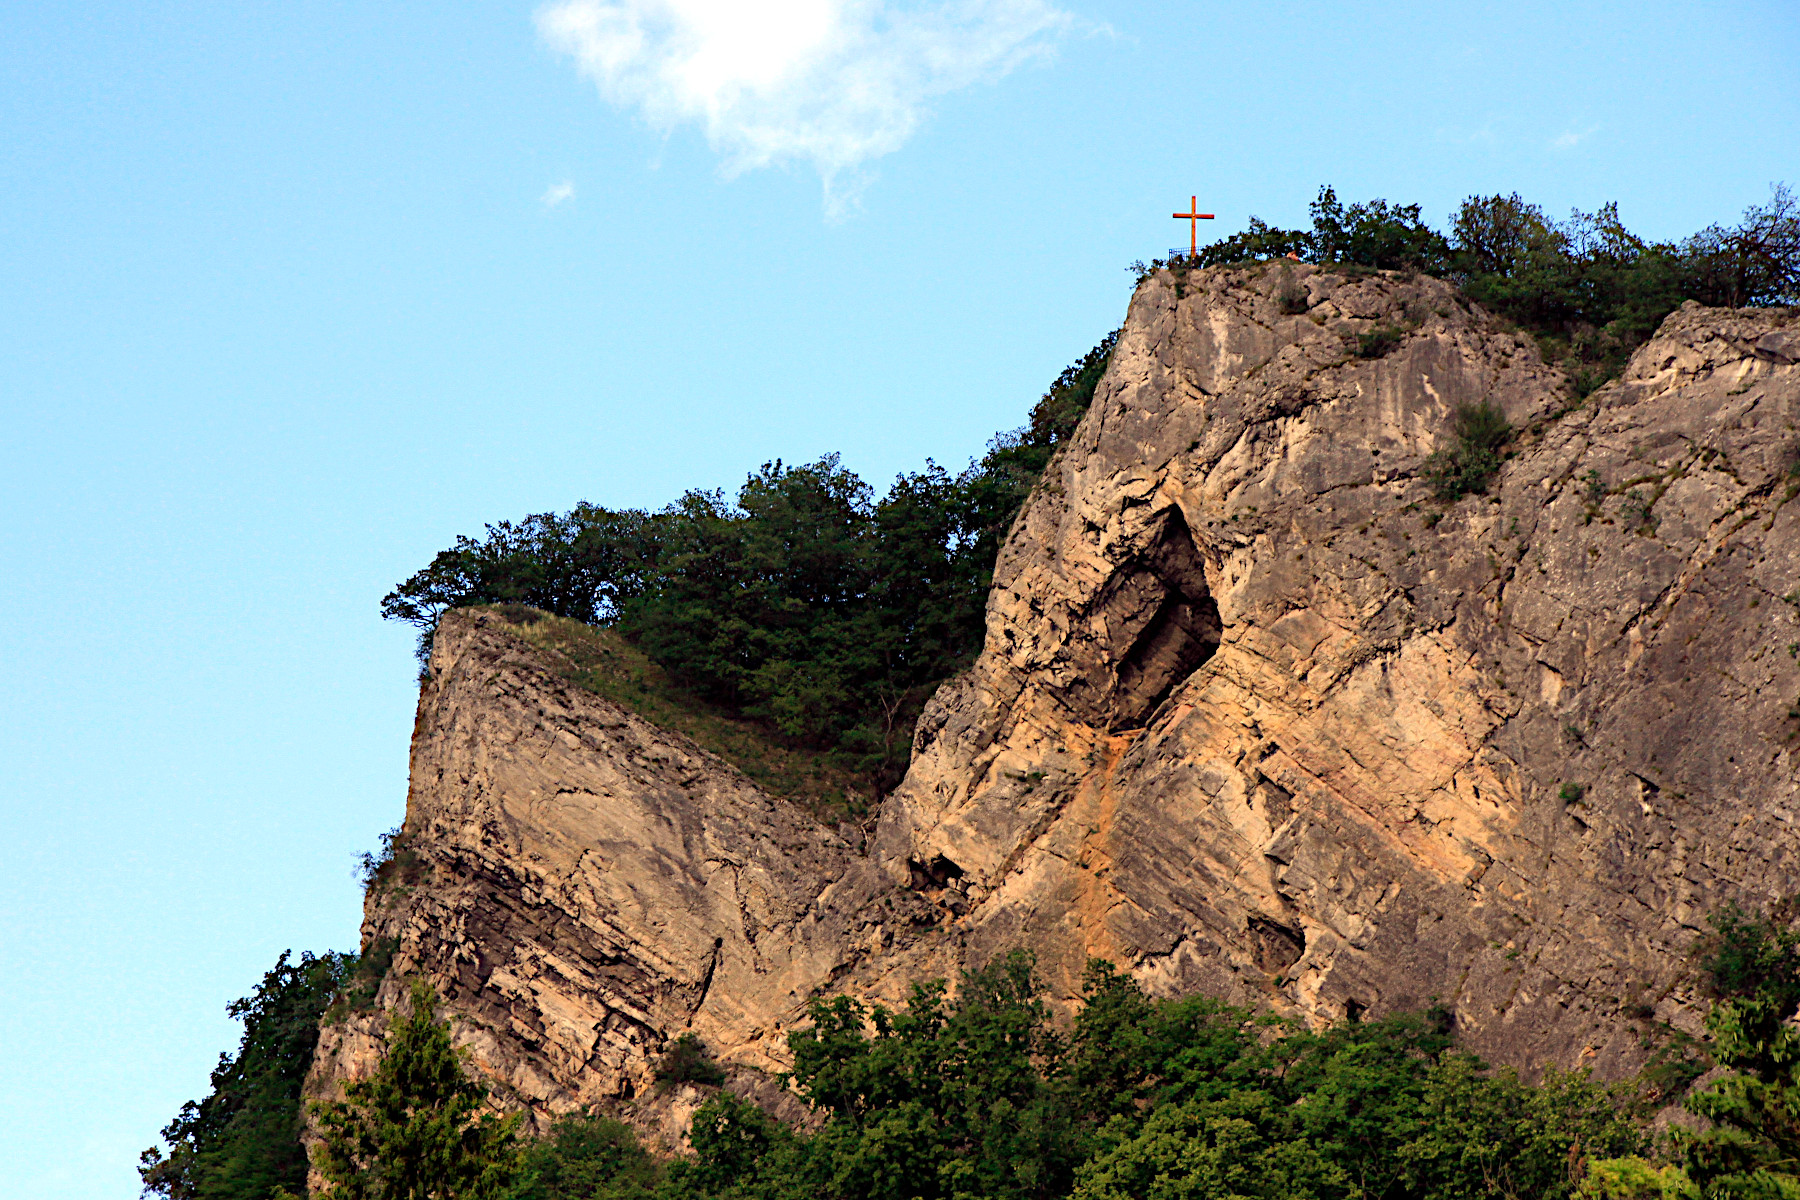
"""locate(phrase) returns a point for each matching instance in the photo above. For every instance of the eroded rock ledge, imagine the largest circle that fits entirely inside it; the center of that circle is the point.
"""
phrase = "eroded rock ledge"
(1255, 716)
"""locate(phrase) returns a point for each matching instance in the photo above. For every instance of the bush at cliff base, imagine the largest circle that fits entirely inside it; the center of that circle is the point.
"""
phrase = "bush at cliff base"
(418, 1128)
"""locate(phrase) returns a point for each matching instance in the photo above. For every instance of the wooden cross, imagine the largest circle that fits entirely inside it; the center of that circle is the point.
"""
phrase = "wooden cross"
(1194, 216)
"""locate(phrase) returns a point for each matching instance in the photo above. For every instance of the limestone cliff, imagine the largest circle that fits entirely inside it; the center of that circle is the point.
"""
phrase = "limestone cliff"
(1256, 716)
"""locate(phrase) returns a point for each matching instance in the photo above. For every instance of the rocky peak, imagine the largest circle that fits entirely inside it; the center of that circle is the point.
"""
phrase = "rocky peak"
(1257, 715)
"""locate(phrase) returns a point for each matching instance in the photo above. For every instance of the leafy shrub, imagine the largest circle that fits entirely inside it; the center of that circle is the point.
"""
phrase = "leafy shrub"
(1570, 793)
(362, 979)
(687, 1061)
(1589, 289)
(395, 864)
(1375, 234)
(1464, 468)
(1378, 341)
(579, 564)
(983, 1097)
(587, 1158)
(1291, 299)
(1753, 966)
(1636, 1179)
(1639, 511)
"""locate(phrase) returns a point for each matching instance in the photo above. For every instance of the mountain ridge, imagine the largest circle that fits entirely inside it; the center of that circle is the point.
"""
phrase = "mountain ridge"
(1256, 715)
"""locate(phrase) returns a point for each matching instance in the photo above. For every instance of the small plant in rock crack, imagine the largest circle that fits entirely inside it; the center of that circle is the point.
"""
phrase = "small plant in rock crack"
(397, 864)
(1593, 494)
(1464, 468)
(1571, 792)
(688, 1061)
(1378, 341)
(1638, 512)
(364, 975)
(1291, 298)
(1585, 381)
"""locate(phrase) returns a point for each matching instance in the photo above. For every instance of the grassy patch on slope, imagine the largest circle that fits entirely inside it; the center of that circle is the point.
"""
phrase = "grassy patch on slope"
(598, 660)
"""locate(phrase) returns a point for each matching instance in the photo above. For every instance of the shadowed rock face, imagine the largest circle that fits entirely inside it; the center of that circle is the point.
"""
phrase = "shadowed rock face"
(1255, 716)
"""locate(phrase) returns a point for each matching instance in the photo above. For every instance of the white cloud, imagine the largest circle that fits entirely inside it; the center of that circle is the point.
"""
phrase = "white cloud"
(556, 193)
(833, 82)
(1569, 139)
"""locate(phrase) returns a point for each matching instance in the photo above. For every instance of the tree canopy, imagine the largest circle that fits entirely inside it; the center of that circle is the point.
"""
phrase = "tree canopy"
(242, 1141)
(418, 1128)
(979, 1093)
(808, 603)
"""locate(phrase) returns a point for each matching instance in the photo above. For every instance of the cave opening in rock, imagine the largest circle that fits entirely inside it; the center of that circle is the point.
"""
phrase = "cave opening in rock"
(1274, 945)
(932, 875)
(1171, 619)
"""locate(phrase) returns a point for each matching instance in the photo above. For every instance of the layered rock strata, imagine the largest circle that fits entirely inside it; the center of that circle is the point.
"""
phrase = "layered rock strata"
(1256, 716)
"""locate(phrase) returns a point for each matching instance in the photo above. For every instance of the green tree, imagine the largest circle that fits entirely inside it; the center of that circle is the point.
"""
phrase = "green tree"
(242, 1142)
(416, 1129)
(1753, 1147)
(738, 1150)
(1242, 1144)
(803, 602)
(982, 1098)
(1375, 234)
(1485, 1134)
(586, 1158)
(580, 565)
(1755, 262)
(939, 1099)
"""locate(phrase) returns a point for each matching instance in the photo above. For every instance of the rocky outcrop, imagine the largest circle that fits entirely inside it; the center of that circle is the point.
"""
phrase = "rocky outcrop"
(1256, 716)
(581, 887)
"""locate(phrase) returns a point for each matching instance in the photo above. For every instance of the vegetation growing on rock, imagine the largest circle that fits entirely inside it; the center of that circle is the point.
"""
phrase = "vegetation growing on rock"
(804, 604)
(418, 1128)
(1588, 288)
(985, 1096)
(683, 578)
(242, 1141)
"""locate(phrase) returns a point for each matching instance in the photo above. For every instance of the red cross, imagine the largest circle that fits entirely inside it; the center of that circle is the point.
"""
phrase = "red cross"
(1193, 216)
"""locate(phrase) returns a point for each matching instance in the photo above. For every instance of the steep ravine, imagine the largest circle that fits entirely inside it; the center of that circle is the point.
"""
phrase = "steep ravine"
(1256, 716)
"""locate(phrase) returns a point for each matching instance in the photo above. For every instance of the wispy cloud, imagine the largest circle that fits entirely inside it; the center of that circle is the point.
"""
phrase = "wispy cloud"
(836, 83)
(556, 193)
(1571, 138)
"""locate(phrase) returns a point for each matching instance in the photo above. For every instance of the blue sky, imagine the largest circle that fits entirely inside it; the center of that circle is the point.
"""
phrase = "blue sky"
(294, 294)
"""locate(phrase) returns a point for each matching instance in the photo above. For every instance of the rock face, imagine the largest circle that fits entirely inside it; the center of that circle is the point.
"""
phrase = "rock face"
(583, 886)
(1256, 716)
